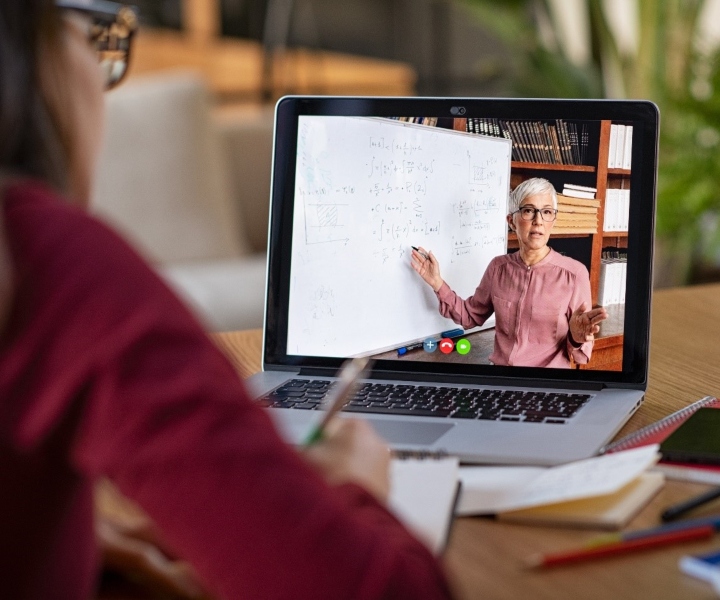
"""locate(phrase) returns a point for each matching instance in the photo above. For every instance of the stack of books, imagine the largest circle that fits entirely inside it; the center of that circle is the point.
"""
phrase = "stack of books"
(613, 273)
(576, 215)
(558, 143)
(620, 150)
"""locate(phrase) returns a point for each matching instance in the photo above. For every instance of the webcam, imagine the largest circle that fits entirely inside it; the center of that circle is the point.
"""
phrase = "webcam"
(457, 110)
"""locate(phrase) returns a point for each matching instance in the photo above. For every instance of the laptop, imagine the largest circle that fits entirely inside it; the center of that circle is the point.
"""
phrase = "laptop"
(357, 183)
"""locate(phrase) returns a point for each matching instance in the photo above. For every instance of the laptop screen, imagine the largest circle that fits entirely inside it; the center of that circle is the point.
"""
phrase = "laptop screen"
(489, 238)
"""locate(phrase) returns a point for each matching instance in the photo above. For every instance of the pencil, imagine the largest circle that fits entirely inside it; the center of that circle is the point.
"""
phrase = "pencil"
(351, 372)
(622, 547)
(612, 538)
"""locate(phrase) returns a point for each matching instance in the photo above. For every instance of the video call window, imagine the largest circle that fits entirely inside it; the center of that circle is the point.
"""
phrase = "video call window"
(373, 196)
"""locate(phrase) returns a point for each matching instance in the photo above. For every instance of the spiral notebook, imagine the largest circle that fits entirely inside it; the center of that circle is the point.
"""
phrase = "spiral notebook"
(424, 489)
(658, 431)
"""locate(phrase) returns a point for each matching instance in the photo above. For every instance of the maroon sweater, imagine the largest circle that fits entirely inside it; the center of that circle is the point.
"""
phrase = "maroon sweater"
(103, 371)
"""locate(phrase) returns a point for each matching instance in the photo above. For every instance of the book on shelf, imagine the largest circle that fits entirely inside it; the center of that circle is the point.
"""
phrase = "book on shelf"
(581, 188)
(567, 216)
(575, 208)
(586, 493)
(543, 142)
(572, 230)
(575, 201)
(613, 274)
(617, 210)
(658, 431)
(627, 150)
(620, 146)
(578, 191)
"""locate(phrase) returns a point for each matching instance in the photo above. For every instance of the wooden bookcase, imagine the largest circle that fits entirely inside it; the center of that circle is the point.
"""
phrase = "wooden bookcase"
(607, 353)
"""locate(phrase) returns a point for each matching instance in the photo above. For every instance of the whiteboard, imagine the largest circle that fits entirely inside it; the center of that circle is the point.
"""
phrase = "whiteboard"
(366, 190)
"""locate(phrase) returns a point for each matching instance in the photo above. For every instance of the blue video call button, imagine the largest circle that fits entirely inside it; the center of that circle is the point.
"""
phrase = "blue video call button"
(430, 345)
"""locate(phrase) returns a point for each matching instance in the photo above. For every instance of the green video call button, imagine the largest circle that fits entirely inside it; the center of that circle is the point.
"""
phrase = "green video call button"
(462, 346)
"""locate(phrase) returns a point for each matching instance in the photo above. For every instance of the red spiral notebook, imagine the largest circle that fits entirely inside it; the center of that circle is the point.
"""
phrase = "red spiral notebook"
(658, 431)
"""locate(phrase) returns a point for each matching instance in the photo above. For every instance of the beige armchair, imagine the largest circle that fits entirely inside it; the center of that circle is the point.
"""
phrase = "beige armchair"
(189, 187)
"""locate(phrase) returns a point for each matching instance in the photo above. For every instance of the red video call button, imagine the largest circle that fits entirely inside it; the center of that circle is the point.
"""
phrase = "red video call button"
(446, 345)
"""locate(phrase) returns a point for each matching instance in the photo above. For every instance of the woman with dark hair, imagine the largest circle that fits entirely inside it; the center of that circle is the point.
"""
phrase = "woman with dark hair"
(104, 372)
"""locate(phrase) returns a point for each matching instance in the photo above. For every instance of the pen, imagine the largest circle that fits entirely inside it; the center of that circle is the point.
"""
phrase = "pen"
(405, 349)
(677, 510)
(418, 251)
(350, 374)
(622, 547)
(611, 538)
(451, 333)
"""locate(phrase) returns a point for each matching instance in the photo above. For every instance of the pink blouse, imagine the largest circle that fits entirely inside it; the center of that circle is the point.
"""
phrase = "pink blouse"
(532, 307)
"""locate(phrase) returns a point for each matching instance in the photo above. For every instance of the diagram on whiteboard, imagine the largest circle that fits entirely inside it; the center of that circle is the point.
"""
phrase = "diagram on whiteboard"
(366, 190)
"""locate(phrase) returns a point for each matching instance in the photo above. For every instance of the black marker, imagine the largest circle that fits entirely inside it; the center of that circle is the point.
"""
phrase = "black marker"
(418, 251)
(678, 510)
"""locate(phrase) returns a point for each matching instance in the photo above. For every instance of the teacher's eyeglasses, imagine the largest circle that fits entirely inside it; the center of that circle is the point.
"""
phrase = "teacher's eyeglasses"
(112, 27)
(527, 213)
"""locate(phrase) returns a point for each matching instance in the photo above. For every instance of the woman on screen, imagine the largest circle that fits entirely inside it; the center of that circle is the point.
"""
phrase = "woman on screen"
(104, 372)
(541, 299)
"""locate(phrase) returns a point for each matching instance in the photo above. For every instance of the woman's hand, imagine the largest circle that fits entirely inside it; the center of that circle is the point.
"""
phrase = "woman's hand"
(584, 323)
(351, 451)
(427, 266)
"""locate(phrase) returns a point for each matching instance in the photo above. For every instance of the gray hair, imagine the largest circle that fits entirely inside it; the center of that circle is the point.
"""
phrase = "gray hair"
(531, 187)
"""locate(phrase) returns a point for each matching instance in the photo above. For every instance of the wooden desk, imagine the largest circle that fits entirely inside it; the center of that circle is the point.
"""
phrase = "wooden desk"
(484, 558)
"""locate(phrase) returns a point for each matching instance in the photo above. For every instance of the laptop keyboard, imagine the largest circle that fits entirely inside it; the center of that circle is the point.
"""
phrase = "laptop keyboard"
(432, 401)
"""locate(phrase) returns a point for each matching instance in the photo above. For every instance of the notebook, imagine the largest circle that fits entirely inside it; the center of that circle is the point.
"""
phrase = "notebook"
(358, 182)
(424, 490)
(657, 432)
(602, 492)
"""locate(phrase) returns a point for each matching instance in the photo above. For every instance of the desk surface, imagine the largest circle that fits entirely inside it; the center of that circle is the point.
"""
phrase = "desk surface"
(484, 558)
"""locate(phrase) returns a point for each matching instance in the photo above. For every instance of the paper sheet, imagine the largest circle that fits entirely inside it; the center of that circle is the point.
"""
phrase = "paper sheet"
(489, 490)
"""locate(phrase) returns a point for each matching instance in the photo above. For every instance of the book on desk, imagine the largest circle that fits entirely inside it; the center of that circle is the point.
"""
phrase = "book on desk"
(603, 492)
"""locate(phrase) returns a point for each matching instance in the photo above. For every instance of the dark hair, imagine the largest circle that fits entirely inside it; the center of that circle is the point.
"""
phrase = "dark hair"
(31, 140)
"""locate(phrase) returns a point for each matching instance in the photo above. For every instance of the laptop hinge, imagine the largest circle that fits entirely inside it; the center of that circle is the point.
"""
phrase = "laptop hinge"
(462, 379)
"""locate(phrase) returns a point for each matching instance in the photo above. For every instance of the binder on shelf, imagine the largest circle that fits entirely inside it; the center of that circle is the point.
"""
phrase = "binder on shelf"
(619, 146)
(612, 147)
(613, 273)
(627, 150)
(617, 210)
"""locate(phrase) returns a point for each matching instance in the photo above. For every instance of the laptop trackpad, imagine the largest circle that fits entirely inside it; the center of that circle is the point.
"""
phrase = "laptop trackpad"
(397, 431)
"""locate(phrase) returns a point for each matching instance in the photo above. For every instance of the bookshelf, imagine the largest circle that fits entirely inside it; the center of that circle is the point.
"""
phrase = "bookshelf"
(607, 353)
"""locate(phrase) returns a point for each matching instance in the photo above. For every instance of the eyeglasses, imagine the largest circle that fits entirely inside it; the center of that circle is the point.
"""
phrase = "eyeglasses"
(527, 213)
(111, 32)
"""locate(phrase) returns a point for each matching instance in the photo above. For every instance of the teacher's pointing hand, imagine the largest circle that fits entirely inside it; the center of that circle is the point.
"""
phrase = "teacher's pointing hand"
(584, 323)
(427, 266)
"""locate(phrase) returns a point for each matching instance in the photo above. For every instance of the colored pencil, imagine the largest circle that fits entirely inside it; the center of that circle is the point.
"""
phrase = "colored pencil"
(612, 538)
(622, 547)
